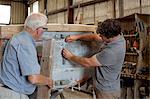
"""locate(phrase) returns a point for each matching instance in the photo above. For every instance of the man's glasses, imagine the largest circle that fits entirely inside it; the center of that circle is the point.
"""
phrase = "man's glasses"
(44, 29)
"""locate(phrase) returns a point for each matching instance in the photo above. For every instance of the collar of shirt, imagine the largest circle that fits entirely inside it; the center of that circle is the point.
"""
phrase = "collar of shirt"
(117, 40)
(31, 38)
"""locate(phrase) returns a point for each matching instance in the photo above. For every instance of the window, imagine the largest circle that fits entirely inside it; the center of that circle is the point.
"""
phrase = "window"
(36, 7)
(29, 11)
(5, 14)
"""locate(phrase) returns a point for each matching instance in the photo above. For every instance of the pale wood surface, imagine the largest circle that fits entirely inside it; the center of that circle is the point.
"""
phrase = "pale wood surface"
(71, 28)
(46, 62)
(10, 30)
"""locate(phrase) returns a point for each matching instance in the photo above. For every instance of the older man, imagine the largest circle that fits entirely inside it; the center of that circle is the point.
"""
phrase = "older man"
(19, 69)
(108, 62)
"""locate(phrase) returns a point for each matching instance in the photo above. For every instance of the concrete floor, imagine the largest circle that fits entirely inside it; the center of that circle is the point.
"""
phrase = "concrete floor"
(68, 94)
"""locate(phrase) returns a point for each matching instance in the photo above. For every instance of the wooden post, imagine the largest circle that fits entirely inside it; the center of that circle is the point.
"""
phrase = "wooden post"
(148, 32)
(46, 61)
(140, 6)
(129, 93)
(70, 12)
(123, 93)
(114, 8)
(121, 8)
(137, 84)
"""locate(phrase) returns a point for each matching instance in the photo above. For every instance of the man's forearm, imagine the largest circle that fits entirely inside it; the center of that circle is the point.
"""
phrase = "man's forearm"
(39, 79)
(89, 37)
(80, 60)
(86, 62)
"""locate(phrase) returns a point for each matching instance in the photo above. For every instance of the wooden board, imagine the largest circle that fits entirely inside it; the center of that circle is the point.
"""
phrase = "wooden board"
(71, 27)
(62, 17)
(9, 30)
(46, 61)
(53, 18)
(51, 5)
(88, 14)
(101, 11)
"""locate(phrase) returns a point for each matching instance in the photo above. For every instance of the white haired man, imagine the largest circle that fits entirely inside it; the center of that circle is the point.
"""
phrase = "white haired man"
(19, 69)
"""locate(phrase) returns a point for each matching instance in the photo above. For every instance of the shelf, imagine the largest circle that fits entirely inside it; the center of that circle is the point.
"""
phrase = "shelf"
(133, 63)
(136, 76)
(128, 75)
(131, 53)
(144, 77)
(130, 35)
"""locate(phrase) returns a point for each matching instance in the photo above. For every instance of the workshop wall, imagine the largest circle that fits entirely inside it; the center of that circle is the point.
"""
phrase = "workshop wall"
(18, 10)
(89, 11)
(84, 11)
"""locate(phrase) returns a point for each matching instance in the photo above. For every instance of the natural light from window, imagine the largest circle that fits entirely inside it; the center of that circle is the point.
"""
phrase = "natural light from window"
(4, 14)
(29, 11)
(36, 7)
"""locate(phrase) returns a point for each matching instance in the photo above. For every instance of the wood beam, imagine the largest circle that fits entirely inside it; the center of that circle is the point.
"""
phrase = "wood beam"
(88, 3)
(20, 1)
(31, 1)
(114, 8)
(43, 92)
(140, 6)
(71, 28)
(76, 6)
(45, 4)
(121, 8)
(70, 12)
(57, 11)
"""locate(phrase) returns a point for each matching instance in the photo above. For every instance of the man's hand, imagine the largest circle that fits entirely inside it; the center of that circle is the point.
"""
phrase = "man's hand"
(50, 83)
(71, 38)
(67, 54)
(39, 79)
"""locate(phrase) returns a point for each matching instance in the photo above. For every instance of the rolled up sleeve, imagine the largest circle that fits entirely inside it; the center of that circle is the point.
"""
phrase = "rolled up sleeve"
(27, 58)
(106, 58)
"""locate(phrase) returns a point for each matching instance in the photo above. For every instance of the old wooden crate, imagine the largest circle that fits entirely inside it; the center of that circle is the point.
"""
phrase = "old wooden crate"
(63, 72)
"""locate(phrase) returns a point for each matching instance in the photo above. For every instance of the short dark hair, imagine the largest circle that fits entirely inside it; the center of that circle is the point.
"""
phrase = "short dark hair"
(109, 28)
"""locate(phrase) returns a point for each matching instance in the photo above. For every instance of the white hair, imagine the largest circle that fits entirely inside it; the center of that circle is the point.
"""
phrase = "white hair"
(35, 20)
